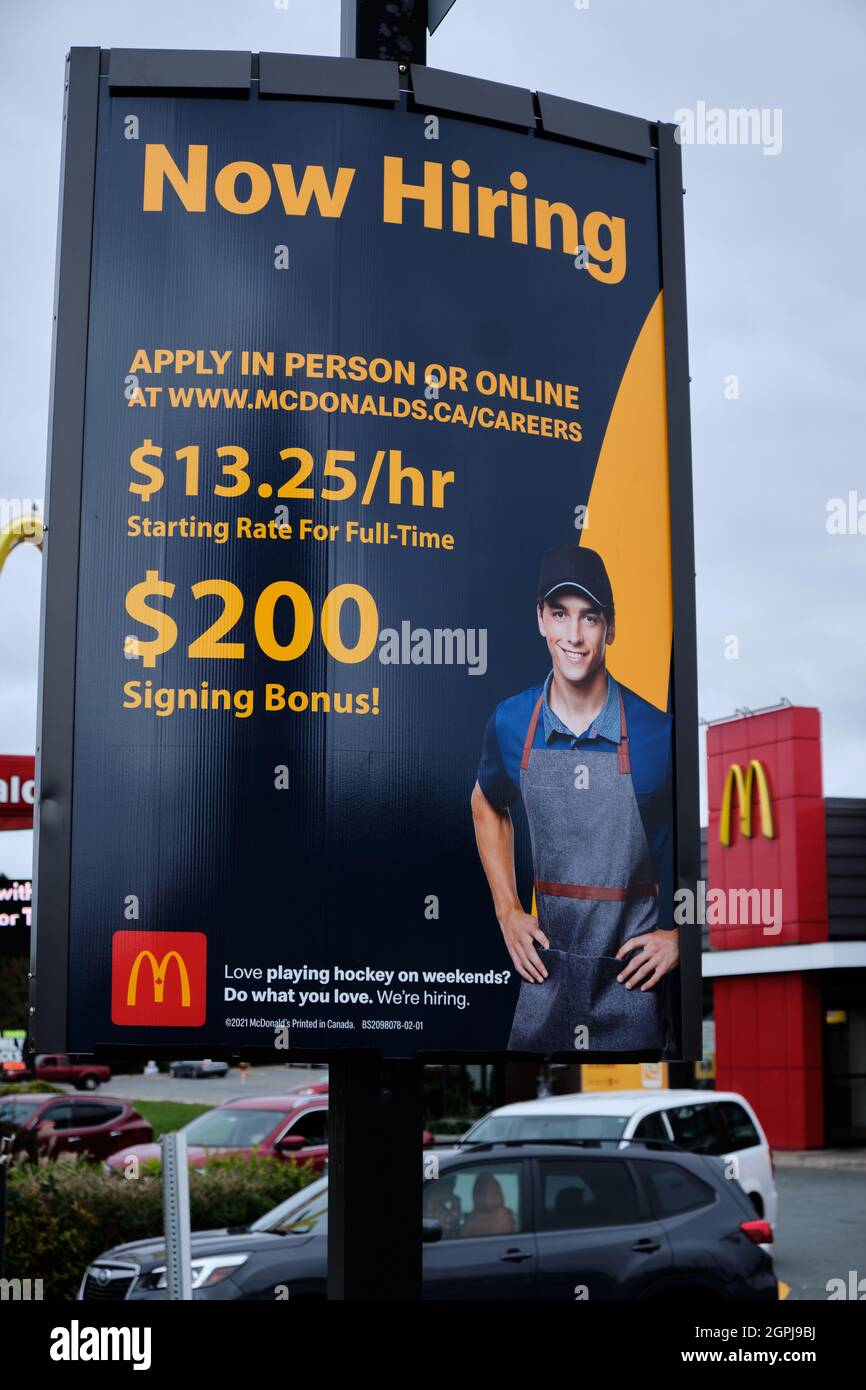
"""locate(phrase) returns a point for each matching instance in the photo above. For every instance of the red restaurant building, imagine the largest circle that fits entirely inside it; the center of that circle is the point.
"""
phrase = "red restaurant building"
(784, 962)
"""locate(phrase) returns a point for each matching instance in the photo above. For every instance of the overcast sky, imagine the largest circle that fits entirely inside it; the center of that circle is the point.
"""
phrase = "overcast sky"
(775, 246)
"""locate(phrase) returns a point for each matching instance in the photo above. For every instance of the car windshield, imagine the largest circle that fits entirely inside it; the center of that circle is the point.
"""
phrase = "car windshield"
(232, 1129)
(18, 1109)
(496, 1129)
(302, 1213)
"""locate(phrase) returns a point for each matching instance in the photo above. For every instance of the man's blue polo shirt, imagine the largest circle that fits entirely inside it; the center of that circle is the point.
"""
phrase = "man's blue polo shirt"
(649, 733)
(604, 725)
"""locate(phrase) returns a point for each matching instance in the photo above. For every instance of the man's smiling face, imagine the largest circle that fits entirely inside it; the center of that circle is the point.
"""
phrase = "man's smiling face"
(577, 635)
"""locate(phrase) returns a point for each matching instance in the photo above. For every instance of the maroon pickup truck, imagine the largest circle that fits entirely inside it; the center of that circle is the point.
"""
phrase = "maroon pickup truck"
(55, 1066)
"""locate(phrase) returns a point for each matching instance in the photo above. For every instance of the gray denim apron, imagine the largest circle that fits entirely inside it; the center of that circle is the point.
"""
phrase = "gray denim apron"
(594, 888)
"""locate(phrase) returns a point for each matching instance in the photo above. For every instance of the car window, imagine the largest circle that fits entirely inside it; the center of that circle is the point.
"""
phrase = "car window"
(497, 1129)
(313, 1126)
(738, 1131)
(581, 1193)
(61, 1116)
(232, 1129)
(695, 1128)
(675, 1189)
(18, 1110)
(93, 1113)
(291, 1206)
(651, 1127)
(304, 1217)
(479, 1200)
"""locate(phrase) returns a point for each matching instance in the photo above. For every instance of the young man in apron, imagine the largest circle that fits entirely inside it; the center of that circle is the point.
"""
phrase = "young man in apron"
(592, 761)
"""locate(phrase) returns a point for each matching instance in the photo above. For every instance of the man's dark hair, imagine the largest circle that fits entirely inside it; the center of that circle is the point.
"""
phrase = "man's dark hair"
(608, 613)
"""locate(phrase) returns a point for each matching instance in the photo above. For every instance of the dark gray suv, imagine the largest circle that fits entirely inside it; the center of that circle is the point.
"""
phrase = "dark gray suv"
(587, 1220)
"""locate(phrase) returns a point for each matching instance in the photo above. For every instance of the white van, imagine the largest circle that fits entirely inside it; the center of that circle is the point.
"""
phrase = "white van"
(718, 1123)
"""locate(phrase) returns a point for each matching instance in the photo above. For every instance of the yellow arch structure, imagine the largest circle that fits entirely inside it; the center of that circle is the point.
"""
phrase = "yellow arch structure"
(735, 778)
(25, 528)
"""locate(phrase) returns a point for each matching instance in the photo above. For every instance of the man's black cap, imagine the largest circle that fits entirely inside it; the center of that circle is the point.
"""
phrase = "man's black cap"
(575, 567)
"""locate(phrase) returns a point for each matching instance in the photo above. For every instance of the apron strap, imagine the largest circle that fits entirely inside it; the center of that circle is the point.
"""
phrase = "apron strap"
(530, 733)
(590, 893)
(623, 760)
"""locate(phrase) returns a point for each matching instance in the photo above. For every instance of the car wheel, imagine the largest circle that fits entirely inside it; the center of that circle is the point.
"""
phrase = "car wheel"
(89, 1083)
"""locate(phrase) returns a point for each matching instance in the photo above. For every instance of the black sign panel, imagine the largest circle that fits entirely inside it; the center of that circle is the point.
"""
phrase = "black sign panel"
(344, 776)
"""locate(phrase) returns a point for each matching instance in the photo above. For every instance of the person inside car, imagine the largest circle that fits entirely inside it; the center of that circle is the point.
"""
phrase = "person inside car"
(443, 1205)
(489, 1215)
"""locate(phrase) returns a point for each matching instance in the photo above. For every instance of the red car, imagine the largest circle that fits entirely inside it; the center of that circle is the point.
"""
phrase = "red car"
(288, 1127)
(75, 1124)
(84, 1076)
(13, 1070)
(309, 1088)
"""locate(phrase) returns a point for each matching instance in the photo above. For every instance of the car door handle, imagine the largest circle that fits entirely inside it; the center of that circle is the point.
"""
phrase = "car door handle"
(115, 1133)
(515, 1256)
(646, 1246)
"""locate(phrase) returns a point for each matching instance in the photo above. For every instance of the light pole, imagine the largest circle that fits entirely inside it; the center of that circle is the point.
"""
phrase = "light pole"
(393, 30)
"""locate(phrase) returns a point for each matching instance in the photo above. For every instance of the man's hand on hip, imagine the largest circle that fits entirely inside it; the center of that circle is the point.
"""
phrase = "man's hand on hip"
(659, 952)
(521, 933)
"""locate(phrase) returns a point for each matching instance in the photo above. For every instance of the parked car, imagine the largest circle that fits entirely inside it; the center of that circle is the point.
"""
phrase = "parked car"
(203, 1068)
(718, 1123)
(503, 1221)
(56, 1066)
(59, 1124)
(11, 1069)
(310, 1088)
(287, 1127)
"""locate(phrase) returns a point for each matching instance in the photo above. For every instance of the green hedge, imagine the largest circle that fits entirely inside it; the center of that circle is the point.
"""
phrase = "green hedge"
(28, 1088)
(60, 1216)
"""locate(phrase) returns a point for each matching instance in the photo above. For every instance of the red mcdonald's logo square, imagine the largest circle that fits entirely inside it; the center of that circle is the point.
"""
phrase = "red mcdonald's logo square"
(159, 979)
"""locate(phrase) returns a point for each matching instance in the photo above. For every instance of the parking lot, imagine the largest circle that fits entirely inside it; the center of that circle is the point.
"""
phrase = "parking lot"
(821, 1232)
(210, 1090)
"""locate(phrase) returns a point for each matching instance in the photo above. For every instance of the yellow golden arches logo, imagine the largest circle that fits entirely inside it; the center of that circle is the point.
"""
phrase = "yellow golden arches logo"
(158, 973)
(23, 528)
(735, 778)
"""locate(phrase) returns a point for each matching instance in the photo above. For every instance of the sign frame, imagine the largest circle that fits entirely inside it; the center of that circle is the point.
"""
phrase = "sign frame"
(347, 80)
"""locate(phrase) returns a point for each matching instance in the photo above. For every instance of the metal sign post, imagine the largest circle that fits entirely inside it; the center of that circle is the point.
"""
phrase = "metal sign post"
(374, 1246)
(395, 30)
(5, 1160)
(374, 1179)
(175, 1212)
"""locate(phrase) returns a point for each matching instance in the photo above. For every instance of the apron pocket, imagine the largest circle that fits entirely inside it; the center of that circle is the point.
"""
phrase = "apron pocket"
(629, 1020)
(582, 992)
